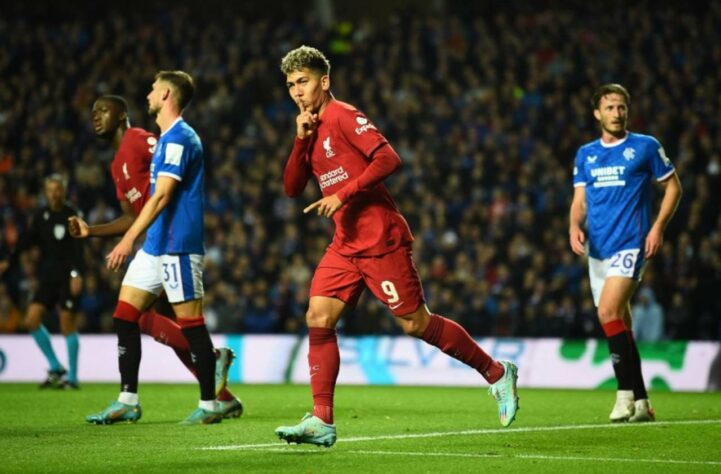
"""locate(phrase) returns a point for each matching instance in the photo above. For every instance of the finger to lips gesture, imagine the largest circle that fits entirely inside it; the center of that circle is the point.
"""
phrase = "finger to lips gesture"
(306, 122)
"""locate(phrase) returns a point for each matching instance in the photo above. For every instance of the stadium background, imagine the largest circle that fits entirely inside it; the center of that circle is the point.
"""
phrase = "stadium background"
(486, 104)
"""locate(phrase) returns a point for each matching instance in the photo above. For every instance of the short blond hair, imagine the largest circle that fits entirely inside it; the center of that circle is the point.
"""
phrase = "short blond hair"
(305, 57)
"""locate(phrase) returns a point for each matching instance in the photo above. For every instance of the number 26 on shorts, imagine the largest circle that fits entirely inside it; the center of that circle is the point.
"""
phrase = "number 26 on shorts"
(623, 263)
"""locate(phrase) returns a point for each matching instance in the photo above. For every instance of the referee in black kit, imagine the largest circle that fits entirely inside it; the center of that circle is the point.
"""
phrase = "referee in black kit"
(59, 275)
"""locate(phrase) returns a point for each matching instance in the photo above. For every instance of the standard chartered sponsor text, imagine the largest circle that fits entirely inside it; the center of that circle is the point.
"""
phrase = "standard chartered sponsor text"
(332, 177)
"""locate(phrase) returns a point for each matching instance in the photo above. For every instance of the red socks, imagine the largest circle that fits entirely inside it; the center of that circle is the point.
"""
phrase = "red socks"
(324, 363)
(164, 330)
(448, 336)
(126, 312)
(451, 338)
(613, 328)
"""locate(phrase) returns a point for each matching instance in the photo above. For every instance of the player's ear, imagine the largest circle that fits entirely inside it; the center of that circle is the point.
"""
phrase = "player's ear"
(597, 114)
(325, 82)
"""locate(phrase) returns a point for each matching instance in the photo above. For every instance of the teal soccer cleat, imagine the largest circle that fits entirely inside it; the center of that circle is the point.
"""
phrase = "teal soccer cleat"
(506, 394)
(223, 361)
(202, 416)
(231, 409)
(311, 430)
(117, 412)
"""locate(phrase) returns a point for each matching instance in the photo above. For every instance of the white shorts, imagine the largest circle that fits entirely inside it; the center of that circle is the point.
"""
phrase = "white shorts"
(181, 276)
(625, 263)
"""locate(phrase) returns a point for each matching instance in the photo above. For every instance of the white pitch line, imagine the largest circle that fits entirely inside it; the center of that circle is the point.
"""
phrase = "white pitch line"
(533, 456)
(495, 431)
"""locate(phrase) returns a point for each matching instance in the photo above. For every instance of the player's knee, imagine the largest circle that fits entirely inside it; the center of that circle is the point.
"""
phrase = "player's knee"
(412, 326)
(415, 324)
(608, 314)
(318, 319)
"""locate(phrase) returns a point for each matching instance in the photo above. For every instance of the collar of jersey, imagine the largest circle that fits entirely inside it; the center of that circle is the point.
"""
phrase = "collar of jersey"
(172, 125)
(611, 145)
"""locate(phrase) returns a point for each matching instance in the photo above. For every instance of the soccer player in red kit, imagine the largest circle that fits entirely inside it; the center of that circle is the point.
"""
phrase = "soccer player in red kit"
(130, 170)
(371, 247)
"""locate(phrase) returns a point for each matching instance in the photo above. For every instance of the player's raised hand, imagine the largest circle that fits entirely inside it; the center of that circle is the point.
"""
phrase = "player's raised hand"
(578, 240)
(654, 240)
(119, 255)
(78, 227)
(325, 207)
(306, 122)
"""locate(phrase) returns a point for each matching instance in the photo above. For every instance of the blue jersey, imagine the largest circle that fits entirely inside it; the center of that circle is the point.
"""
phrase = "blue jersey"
(617, 178)
(179, 227)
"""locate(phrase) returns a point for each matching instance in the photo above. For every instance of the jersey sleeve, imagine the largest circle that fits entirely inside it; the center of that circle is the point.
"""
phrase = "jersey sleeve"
(661, 165)
(385, 161)
(579, 172)
(297, 171)
(175, 160)
(144, 147)
(119, 194)
(360, 132)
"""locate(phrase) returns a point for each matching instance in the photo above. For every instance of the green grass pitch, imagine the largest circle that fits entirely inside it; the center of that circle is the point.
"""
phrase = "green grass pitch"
(380, 429)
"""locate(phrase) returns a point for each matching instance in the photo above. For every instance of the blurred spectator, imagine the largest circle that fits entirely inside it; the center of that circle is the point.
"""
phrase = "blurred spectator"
(93, 305)
(678, 318)
(648, 317)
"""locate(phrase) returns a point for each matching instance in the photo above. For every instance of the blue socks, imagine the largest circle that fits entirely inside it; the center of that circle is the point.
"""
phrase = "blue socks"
(73, 342)
(42, 338)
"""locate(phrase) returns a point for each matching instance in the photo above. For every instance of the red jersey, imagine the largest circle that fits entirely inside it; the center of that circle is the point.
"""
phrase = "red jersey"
(349, 157)
(131, 167)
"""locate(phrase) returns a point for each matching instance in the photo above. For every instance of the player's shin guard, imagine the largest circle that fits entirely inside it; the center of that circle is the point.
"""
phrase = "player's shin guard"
(619, 347)
(639, 386)
(324, 363)
(452, 339)
(201, 348)
(129, 352)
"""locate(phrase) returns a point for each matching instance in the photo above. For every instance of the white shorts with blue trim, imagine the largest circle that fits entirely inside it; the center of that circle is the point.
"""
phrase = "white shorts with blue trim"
(181, 275)
(625, 263)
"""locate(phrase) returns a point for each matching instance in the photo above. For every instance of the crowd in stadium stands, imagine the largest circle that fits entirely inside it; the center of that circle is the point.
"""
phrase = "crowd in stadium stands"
(486, 113)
